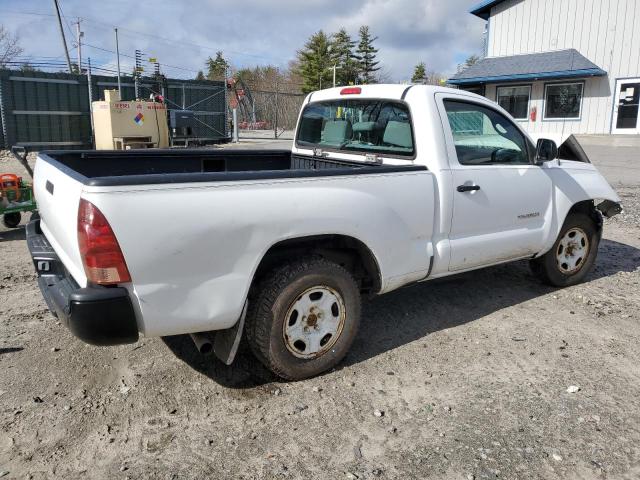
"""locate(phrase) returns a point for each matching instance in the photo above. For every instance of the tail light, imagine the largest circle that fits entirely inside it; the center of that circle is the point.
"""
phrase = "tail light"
(101, 255)
(351, 91)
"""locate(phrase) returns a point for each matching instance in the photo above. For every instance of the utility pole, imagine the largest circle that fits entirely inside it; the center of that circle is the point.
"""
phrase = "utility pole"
(64, 40)
(90, 89)
(275, 122)
(79, 35)
(118, 61)
(334, 75)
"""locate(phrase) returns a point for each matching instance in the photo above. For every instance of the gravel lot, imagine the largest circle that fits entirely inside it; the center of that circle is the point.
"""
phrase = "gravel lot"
(462, 378)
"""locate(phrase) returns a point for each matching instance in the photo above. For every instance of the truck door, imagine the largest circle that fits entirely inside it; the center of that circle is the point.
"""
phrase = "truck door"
(500, 198)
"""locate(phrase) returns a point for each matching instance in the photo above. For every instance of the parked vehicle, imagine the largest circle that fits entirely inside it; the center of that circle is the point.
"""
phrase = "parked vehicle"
(385, 185)
(16, 195)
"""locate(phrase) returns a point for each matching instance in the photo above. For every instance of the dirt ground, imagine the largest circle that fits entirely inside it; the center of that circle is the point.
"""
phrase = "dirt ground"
(464, 378)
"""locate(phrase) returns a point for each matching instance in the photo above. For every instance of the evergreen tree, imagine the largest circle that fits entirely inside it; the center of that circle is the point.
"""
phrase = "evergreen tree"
(343, 57)
(314, 63)
(27, 67)
(470, 61)
(419, 73)
(216, 69)
(200, 75)
(366, 55)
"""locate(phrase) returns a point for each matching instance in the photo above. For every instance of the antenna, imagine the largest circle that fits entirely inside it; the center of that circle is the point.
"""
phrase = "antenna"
(138, 57)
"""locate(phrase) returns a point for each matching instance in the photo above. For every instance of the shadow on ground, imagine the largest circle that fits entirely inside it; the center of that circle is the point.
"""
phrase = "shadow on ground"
(408, 314)
(13, 234)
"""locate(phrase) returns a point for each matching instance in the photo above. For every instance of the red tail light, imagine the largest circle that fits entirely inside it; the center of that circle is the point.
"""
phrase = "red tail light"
(101, 255)
(351, 91)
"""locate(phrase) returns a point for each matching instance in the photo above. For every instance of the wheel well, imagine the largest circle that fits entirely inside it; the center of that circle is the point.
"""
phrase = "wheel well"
(346, 251)
(588, 208)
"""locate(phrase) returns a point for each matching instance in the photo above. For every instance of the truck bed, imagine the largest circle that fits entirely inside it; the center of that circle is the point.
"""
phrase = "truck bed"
(116, 168)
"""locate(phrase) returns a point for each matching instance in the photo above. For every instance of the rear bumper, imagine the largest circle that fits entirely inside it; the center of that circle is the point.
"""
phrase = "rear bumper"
(96, 315)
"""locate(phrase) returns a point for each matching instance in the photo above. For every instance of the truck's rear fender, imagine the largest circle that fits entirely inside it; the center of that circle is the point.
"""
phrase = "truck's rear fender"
(347, 251)
(576, 186)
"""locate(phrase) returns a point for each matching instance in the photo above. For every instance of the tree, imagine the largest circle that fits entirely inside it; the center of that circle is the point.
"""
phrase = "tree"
(470, 61)
(366, 55)
(200, 75)
(343, 57)
(217, 69)
(419, 73)
(9, 47)
(314, 63)
(435, 78)
(27, 67)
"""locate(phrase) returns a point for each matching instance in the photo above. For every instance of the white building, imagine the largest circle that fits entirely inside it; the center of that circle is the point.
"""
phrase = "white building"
(561, 66)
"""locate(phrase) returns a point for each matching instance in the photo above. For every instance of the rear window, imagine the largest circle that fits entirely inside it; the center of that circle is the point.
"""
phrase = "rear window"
(363, 126)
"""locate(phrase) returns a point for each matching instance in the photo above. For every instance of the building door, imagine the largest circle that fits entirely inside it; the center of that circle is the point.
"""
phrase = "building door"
(626, 107)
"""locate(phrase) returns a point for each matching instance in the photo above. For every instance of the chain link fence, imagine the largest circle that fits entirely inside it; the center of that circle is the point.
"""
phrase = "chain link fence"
(268, 110)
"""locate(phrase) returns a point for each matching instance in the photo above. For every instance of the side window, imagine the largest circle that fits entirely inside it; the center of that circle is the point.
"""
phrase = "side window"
(483, 136)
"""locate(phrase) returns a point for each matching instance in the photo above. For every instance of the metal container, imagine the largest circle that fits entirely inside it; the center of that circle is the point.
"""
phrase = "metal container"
(119, 125)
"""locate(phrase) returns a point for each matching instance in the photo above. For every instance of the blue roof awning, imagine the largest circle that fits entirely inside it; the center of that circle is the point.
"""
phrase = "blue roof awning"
(483, 9)
(535, 66)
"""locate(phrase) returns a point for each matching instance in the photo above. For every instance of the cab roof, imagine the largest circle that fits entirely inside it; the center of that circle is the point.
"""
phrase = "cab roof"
(390, 91)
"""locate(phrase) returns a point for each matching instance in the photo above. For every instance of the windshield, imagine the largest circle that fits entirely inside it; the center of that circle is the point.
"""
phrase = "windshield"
(367, 126)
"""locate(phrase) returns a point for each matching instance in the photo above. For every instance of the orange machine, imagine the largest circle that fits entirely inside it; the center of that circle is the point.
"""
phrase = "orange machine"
(10, 186)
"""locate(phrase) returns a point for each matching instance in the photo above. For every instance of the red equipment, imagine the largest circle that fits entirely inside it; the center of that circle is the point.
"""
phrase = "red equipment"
(10, 186)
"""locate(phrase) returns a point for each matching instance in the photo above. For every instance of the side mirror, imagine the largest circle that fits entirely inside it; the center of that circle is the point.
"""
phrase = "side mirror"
(546, 150)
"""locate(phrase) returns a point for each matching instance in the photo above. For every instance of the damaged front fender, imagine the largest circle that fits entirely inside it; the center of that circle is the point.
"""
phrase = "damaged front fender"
(609, 208)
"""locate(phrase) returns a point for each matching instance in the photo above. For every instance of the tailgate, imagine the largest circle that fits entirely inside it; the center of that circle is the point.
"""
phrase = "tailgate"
(58, 196)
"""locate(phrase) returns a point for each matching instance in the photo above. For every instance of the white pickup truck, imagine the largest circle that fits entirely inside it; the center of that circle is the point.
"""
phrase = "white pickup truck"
(385, 185)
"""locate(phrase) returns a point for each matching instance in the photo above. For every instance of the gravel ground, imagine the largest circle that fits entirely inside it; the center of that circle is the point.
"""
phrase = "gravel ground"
(467, 377)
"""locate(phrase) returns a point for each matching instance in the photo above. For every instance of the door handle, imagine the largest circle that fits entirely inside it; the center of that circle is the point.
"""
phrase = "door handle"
(467, 188)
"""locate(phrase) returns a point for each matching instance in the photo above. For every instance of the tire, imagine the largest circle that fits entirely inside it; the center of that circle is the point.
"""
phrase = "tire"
(11, 220)
(303, 317)
(573, 253)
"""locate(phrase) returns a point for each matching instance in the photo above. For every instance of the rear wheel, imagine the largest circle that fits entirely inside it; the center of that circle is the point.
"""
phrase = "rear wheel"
(11, 220)
(573, 253)
(303, 318)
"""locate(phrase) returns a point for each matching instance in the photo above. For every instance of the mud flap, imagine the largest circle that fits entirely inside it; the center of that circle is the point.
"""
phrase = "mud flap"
(226, 342)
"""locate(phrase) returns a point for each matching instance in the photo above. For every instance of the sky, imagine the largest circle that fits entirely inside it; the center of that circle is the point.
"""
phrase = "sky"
(182, 34)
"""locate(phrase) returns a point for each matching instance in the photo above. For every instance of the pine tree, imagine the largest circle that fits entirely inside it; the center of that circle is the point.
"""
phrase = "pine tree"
(419, 73)
(315, 62)
(469, 62)
(366, 55)
(217, 69)
(200, 75)
(343, 58)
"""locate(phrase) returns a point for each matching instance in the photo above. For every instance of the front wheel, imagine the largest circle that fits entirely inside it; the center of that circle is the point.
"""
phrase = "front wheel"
(11, 220)
(573, 253)
(303, 317)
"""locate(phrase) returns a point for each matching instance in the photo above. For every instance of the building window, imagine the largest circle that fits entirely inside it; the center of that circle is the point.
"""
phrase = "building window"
(562, 100)
(515, 100)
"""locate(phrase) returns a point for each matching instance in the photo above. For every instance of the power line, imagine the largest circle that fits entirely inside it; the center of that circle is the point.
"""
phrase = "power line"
(173, 41)
(131, 56)
(158, 37)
